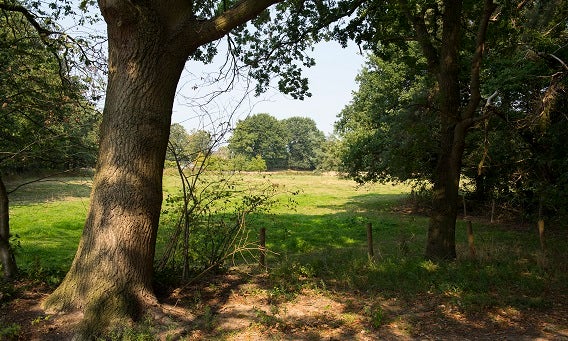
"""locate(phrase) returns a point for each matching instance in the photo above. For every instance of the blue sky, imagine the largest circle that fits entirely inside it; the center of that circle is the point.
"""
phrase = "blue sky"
(331, 80)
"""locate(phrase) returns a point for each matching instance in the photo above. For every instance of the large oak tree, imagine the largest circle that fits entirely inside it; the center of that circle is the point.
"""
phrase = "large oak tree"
(148, 45)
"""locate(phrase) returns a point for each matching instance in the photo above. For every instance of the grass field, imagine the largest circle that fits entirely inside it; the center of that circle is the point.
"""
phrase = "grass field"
(320, 243)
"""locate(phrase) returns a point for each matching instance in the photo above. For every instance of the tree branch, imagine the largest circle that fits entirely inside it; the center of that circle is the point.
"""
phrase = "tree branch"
(30, 17)
(559, 60)
(487, 109)
(217, 27)
(422, 37)
(41, 179)
(474, 85)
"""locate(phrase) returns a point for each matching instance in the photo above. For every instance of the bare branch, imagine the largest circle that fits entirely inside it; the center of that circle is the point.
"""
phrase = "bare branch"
(486, 112)
(42, 179)
(560, 61)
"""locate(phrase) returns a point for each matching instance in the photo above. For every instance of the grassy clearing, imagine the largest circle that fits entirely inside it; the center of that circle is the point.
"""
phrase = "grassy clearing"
(47, 219)
(320, 244)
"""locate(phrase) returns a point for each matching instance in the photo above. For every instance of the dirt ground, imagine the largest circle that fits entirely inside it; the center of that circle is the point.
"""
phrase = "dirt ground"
(237, 306)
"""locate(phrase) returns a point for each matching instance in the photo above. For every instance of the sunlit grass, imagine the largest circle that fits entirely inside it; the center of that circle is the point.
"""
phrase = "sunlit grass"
(48, 233)
(321, 241)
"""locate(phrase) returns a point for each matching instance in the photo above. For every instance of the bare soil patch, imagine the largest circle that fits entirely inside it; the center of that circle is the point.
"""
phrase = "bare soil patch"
(240, 306)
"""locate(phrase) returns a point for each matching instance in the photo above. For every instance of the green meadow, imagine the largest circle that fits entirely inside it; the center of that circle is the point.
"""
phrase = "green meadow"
(316, 237)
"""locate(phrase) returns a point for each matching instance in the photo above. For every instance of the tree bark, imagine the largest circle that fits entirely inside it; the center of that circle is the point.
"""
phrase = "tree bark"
(455, 121)
(7, 258)
(442, 225)
(111, 275)
(441, 229)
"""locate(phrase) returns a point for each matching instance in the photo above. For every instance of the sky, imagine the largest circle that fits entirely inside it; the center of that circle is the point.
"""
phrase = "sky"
(331, 82)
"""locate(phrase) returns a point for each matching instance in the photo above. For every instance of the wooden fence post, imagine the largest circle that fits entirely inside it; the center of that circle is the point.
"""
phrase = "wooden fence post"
(370, 240)
(541, 233)
(470, 240)
(541, 224)
(262, 246)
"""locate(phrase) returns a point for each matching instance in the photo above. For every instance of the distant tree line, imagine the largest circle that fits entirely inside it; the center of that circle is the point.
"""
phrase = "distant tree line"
(258, 143)
(293, 143)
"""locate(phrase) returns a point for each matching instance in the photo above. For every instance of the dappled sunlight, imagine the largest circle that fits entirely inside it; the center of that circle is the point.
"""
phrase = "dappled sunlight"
(320, 282)
(259, 311)
(507, 316)
(429, 266)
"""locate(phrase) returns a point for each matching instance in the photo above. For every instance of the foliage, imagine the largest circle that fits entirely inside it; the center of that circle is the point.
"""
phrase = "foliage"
(329, 156)
(304, 142)
(262, 135)
(187, 147)
(208, 222)
(206, 218)
(388, 130)
(519, 157)
(46, 121)
(10, 332)
(277, 44)
(240, 163)
(294, 143)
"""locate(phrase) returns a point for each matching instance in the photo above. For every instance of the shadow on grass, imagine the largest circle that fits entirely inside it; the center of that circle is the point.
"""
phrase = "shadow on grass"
(502, 290)
(367, 203)
(494, 293)
(340, 294)
(49, 190)
(293, 233)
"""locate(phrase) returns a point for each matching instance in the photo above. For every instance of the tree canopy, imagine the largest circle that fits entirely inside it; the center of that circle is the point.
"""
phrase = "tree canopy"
(390, 128)
(389, 131)
(304, 142)
(261, 135)
(294, 143)
(186, 147)
(47, 121)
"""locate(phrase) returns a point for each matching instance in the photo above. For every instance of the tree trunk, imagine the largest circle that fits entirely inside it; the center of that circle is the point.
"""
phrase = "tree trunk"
(442, 226)
(441, 230)
(455, 121)
(111, 275)
(6, 254)
(149, 41)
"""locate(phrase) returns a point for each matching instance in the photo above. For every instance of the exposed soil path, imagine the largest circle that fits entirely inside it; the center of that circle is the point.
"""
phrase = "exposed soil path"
(236, 306)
